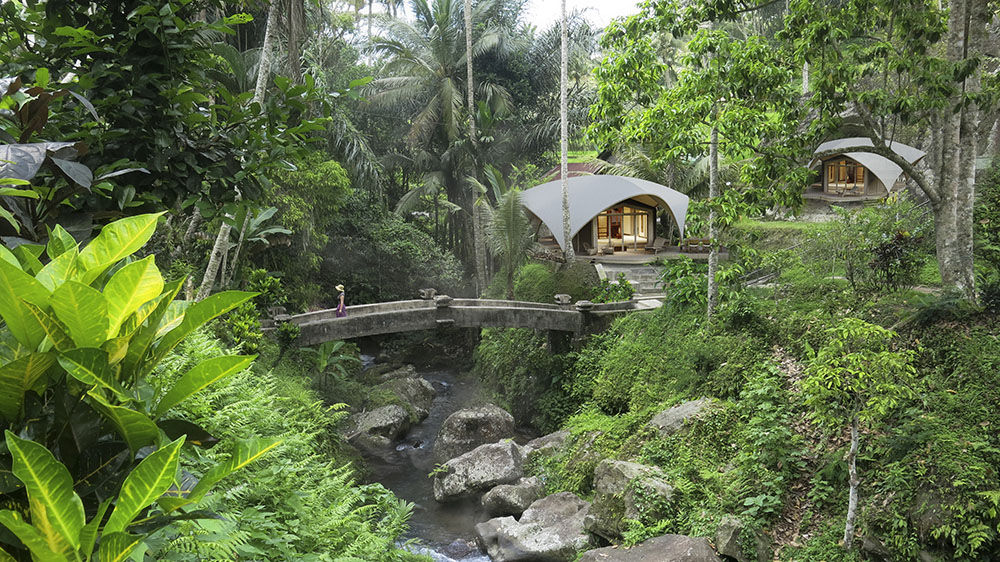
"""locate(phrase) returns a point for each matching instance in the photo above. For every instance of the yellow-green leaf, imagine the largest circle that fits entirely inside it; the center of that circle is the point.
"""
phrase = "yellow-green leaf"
(57, 271)
(56, 510)
(246, 452)
(197, 315)
(202, 375)
(60, 242)
(116, 349)
(116, 241)
(116, 547)
(88, 536)
(89, 365)
(8, 256)
(19, 376)
(143, 337)
(134, 426)
(30, 536)
(144, 485)
(84, 311)
(57, 335)
(129, 288)
(16, 285)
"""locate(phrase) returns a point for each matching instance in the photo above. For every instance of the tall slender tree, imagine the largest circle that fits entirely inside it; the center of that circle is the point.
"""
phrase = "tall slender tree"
(221, 245)
(564, 137)
(477, 225)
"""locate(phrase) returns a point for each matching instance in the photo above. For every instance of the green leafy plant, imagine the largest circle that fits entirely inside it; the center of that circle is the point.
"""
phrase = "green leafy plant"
(857, 378)
(607, 291)
(330, 358)
(83, 332)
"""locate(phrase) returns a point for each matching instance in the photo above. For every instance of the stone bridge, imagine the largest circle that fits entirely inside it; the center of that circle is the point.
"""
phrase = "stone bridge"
(444, 311)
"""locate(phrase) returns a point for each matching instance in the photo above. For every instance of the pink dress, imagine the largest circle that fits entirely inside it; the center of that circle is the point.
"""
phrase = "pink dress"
(341, 310)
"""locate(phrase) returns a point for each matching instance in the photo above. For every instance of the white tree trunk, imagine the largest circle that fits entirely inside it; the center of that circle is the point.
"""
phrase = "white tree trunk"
(564, 138)
(713, 228)
(852, 501)
(222, 240)
(477, 222)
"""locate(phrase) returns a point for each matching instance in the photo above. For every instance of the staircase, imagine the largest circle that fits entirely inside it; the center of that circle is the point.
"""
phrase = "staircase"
(642, 277)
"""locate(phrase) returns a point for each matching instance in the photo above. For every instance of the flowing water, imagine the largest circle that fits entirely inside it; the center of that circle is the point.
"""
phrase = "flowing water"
(447, 531)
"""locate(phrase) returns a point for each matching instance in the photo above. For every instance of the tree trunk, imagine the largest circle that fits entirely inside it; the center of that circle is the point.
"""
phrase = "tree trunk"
(564, 139)
(958, 145)
(222, 240)
(852, 501)
(477, 223)
(227, 277)
(713, 229)
(296, 25)
(264, 67)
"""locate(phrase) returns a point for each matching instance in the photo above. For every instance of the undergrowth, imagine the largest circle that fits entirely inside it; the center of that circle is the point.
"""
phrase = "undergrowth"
(301, 501)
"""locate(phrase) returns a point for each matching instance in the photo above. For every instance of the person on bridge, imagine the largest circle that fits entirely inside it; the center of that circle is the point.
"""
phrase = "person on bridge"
(341, 310)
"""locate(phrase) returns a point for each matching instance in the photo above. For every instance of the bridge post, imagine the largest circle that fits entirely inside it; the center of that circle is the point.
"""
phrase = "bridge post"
(444, 317)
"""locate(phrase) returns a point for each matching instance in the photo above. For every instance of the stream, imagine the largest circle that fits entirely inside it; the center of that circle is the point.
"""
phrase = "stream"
(445, 531)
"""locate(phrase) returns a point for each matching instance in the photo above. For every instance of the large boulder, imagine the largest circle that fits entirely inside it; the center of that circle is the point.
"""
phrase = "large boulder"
(626, 490)
(666, 548)
(732, 541)
(416, 394)
(404, 372)
(550, 530)
(671, 421)
(467, 429)
(481, 469)
(547, 444)
(376, 430)
(513, 499)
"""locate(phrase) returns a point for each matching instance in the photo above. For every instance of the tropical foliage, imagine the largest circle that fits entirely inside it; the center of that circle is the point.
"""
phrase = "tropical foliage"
(83, 332)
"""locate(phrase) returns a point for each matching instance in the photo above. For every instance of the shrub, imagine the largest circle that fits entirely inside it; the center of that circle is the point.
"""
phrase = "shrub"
(607, 291)
(881, 247)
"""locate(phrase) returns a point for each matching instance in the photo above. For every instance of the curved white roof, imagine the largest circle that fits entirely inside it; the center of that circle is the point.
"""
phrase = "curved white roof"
(589, 195)
(884, 169)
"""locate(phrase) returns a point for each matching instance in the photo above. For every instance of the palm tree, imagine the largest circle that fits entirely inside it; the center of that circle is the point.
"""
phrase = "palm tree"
(509, 235)
(426, 60)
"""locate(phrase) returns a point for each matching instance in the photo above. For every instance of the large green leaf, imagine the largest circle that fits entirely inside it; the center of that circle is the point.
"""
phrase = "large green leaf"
(88, 536)
(57, 335)
(60, 241)
(89, 365)
(129, 288)
(16, 285)
(84, 311)
(144, 484)
(57, 271)
(56, 510)
(116, 547)
(8, 256)
(30, 536)
(143, 338)
(204, 374)
(28, 255)
(246, 452)
(173, 317)
(134, 426)
(196, 316)
(116, 241)
(17, 377)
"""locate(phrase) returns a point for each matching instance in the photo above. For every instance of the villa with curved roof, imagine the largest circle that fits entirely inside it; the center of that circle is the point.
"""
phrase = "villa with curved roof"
(853, 175)
(614, 212)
